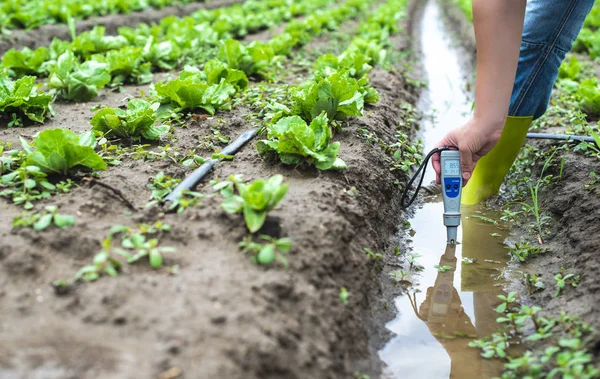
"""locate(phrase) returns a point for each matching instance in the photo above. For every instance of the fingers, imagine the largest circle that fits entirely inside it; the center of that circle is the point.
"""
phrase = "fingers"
(466, 163)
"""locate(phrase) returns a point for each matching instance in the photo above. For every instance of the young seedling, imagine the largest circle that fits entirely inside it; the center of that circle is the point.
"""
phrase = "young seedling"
(42, 220)
(533, 282)
(269, 252)
(444, 268)
(412, 261)
(399, 275)
(563, 280)
(256, 200)
(508, 302)
(345, 295)
(372, 255)
(523, 251)
(468, 261)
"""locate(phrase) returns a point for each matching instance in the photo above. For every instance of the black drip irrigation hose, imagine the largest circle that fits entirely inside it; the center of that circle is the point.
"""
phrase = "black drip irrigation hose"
(197, 175)
(561, 137)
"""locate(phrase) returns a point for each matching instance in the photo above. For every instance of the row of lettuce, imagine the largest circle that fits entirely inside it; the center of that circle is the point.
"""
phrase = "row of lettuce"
(93, 60)
(297, 130)
(28, 14)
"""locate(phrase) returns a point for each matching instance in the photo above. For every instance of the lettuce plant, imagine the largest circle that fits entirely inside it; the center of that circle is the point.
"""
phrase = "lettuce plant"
(338, 95)
(253, 59)
(588, 93)
(256, 200)
(61, 151)
(77, 82)
(25, 62)
(294, 142)
(23, 98)
(190, 92)
(216, 70)
(136, 123)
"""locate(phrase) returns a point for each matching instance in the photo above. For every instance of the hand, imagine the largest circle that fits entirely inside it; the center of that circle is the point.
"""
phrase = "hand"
(474, 140)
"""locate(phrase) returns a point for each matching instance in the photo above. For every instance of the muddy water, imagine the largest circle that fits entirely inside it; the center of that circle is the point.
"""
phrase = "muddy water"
(446, 307)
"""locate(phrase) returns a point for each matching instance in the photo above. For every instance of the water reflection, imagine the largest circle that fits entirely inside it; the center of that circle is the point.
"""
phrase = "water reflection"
(449, 307)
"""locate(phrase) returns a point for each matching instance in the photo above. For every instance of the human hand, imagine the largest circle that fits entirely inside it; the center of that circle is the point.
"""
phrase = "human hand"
(474, 139)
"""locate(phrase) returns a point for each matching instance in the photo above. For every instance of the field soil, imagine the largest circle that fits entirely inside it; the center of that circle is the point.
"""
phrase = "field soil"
(219, 315)
(43, 35)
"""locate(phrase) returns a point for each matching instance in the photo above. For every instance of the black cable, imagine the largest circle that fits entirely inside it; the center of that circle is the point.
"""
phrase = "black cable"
(423, 168)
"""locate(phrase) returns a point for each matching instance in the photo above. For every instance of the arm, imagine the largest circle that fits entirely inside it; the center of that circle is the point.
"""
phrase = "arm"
(498, 28)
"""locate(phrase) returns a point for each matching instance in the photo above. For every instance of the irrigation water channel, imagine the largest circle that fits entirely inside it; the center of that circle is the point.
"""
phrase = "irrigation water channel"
(443, 311)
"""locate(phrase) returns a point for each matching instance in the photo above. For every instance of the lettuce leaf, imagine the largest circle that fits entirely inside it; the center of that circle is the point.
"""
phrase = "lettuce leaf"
(136, 123)
(22, 97)
(338, 95)
(126, 66)
(61, 151)
(190, 92)
(589, 95)
(77, 82)
(253, 60)
(25, 62)
(294, 142)
(216, 70)
(94, 42)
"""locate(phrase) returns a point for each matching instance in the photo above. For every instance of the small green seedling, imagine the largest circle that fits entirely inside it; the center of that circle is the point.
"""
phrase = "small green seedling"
(468, 261)
(523, 251)
(372, 255)
(508, 302)
(269, 252)
(563, 280)
(412, 261)
(533, 282)
(43, 220)
(399, 275)
(444, 268)
(344, 295)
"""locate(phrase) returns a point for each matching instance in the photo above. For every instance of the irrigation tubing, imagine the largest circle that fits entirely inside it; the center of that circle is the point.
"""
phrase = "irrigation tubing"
(197, 175)
(561, 137)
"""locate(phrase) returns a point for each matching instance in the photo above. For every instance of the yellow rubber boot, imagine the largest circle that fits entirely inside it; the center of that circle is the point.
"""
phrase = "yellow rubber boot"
(492, 168)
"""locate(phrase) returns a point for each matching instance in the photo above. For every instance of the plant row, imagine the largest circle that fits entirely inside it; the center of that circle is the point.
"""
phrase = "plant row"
(28, 14)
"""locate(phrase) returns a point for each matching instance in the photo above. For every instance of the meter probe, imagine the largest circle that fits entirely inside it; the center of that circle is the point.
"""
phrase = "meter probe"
(451, 178)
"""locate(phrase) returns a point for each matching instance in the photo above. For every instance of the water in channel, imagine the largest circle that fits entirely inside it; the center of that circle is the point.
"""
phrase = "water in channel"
(443, 311)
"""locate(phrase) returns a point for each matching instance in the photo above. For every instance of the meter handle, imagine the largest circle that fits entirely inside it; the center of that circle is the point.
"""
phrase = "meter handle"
(422, 167)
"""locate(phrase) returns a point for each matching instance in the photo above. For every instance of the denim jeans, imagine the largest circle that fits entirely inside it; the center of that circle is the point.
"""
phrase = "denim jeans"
(550, 28)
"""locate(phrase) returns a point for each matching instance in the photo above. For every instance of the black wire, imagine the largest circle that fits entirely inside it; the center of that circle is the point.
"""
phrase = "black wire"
(423, 168)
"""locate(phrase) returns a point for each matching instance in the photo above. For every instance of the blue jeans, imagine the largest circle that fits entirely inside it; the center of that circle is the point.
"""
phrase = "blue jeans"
(550, 28)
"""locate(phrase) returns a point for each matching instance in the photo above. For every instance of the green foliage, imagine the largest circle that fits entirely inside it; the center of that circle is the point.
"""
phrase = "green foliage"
(253, 59)
(78, 82)
(466, 6)
(588, 93)
(136, 123)
(533, 282)
(190, 92)
(42, 220)
(338, 95)
(562, 280)
(161, 185)
(444, 268)
(256, 200)
(216, 71)
(372, 255)
(344, 295)
(25, 62)
(62, 152)
(22, 98)
(570, 68)
(295, 142)
(126, 66)
(268, 250)
(523, 251)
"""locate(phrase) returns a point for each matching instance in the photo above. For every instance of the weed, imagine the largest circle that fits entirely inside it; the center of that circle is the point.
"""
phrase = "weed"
(523, 251)
(372, 255)
(42, 220)
(533, 282)
(345, 295)
(508, 302)
(399, 275)
(269, 252)
(412, 261)
(444, 268)
(562, 280)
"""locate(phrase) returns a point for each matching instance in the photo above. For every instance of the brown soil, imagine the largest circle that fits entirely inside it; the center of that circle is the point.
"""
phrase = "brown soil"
(221, 316)
(43, 35)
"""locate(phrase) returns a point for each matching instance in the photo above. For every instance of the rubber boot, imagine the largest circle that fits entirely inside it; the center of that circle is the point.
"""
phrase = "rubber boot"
(490, 170)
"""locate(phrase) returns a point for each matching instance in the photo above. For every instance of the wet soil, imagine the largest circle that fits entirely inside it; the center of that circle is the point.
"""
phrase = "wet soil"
(220, 316)
(43, 35)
